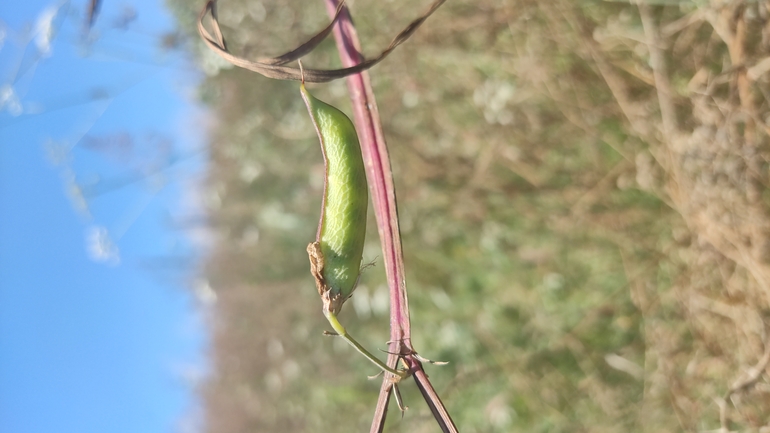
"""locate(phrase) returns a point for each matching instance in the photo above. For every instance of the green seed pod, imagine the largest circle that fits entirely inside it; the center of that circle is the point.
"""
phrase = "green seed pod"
(335, 256)
(342, 227)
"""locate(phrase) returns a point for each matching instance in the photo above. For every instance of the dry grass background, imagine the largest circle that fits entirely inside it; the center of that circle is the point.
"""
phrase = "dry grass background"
(583, 194)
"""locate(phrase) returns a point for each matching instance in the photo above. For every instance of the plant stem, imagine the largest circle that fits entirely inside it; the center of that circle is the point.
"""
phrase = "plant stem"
(383, 194)
(342, 332)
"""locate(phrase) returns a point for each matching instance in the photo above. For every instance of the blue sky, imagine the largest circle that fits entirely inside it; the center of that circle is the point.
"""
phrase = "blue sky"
(100, 150)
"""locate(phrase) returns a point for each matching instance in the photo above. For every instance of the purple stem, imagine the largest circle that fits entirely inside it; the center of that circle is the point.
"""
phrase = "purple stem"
(378, 173)
(380, 177)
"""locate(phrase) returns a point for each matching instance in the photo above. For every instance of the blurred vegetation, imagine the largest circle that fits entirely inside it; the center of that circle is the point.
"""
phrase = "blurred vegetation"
(586, 241)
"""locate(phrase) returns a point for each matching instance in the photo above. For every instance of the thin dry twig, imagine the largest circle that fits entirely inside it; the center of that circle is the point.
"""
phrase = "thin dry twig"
(750, 379)
(659, 70)
(273, 67)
